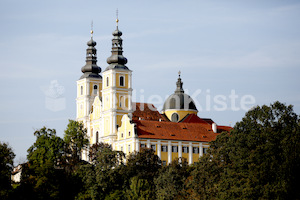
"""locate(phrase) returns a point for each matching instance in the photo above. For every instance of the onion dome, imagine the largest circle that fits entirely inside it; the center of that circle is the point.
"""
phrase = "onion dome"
(117, 60)
(90, 69)
(179, 100)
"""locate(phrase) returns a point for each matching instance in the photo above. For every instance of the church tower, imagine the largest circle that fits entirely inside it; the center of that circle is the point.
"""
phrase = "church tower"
(116, 90)
(90, 83)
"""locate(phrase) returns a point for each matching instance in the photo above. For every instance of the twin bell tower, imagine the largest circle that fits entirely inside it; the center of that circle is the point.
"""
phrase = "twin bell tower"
(103, 100)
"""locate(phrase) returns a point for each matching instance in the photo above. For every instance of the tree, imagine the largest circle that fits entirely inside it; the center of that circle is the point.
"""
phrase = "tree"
(260, 159)
(76, 139)
(140, 189)
(96, 149)
(171, 181)
(141, 168)
(144, 164)
(102, 178)
(6, 166)
(44, 176)
(47, 151)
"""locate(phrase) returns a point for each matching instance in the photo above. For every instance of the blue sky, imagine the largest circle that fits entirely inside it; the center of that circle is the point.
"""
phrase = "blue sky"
(251, 47)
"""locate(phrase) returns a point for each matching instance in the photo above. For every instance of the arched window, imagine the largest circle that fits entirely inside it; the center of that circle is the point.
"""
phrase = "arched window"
(81, 90)
(120, 101)
(121, 80)
(97, 136)
(107, 81)
(95, 89)
(174, 117)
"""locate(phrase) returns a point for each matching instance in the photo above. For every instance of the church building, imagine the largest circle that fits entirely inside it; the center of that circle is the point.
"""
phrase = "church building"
(104, 105)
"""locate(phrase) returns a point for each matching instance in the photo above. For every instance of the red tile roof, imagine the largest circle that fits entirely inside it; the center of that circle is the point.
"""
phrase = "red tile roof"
(146, 111)
(224, 128)
(193, 118)
(153, 125)
(174, 131)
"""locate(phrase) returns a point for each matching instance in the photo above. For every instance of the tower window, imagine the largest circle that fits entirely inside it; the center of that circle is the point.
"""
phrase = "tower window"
(174, 117)
(129, 133)
(107, 81)
(121, 80)
(120, 103)
(129, 148)
(81, 90)
(95, 89)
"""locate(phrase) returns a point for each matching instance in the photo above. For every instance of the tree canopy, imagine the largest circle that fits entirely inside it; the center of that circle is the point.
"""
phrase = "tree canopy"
(6, 167)
(76, 138)
(258, 159)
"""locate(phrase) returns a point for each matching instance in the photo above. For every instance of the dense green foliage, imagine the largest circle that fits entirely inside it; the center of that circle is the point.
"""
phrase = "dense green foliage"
(44, 176)
(6, 167)
(76, 140)
(258, 159)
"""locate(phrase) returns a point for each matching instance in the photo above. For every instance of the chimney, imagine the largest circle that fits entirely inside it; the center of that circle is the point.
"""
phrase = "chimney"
(214, 127)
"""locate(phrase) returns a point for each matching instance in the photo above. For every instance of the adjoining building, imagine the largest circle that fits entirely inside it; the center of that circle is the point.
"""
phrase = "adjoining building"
(104, 105)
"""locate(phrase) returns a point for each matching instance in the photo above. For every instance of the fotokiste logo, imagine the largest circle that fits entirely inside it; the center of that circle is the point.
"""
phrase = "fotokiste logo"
(204, 100)
(54, 96)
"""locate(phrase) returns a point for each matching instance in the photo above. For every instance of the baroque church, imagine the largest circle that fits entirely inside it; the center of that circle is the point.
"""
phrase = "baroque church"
(104, 105)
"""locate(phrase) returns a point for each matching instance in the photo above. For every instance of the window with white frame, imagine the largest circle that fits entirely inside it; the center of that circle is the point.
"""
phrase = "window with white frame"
(143, 146)
(195, 149)
(153, 147)
(175, 149)
(205, 150)
(129, 148)
(164, 148)
(107, 81)
(185, 149)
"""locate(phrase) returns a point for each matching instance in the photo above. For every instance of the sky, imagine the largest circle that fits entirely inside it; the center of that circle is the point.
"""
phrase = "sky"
(232, 55)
